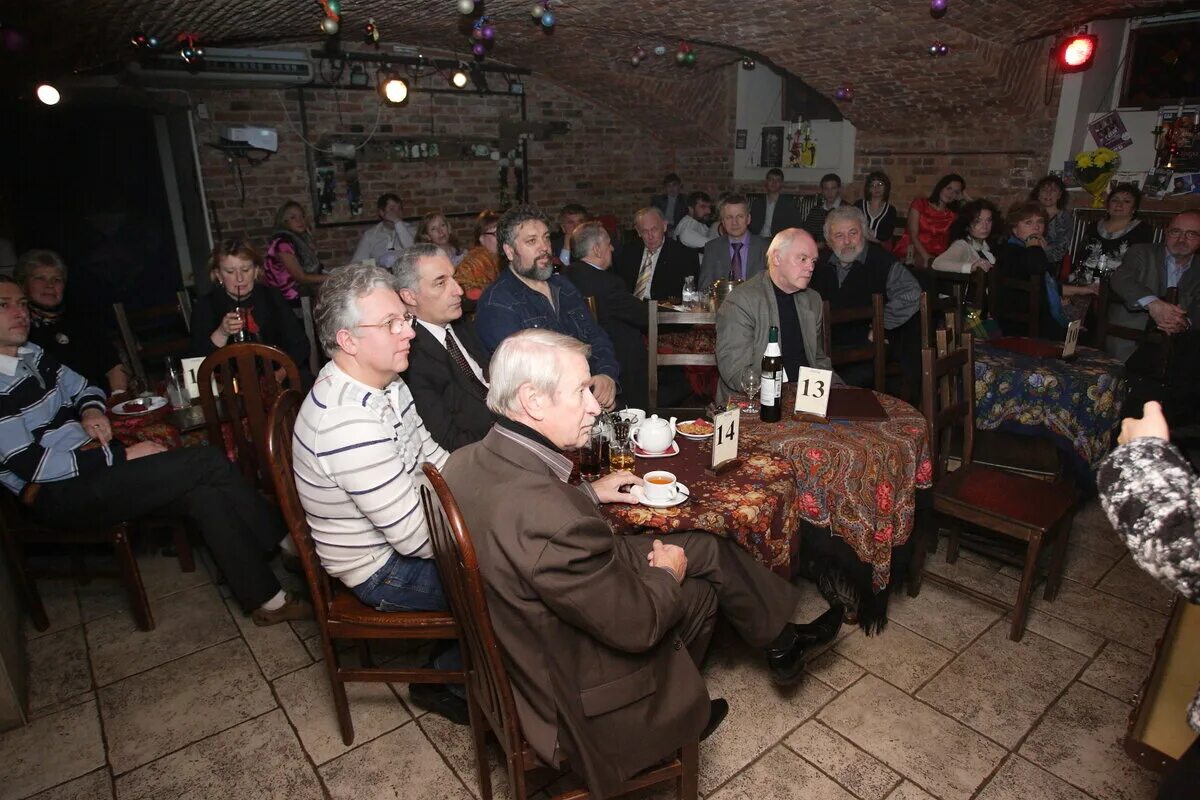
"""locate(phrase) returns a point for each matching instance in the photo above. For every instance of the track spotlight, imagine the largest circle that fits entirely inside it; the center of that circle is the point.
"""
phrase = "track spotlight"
(48, 94)
(459, 78)
(392, 87)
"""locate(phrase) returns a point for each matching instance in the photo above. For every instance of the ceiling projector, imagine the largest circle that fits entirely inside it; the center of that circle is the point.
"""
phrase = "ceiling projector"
(261, 138)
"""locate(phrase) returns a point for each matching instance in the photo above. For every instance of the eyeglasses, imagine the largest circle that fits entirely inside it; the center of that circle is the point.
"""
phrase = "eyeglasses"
(395, 326)
(1180, 233)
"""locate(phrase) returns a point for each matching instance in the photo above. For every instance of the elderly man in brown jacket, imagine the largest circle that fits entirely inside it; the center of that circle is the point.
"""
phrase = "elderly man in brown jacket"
(602, 633)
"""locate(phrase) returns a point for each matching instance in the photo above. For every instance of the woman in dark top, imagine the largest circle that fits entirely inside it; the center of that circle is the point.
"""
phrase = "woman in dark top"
(1051, 193)
(881, 215)
(83, 347)
(235, 268)
(1105, 241)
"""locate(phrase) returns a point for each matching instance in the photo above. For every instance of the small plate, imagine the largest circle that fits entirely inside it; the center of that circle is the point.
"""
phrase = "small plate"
(148, 404)
(673, 450)
(682, 493)
(696, 437)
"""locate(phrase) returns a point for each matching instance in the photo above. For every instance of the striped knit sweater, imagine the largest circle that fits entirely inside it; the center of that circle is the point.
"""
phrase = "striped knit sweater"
(356, 450)
(40, 434)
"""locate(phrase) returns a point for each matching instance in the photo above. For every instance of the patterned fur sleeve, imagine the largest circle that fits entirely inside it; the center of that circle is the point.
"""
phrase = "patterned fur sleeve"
(1152, 498)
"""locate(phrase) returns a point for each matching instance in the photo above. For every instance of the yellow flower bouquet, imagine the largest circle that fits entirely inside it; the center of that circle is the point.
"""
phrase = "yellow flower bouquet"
(1094, 169)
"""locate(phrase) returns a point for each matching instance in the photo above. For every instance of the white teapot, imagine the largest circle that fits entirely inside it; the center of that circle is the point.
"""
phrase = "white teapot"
(654, 435)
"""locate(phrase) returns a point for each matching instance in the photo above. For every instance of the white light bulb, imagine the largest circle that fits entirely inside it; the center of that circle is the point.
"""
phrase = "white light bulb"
(48, 94)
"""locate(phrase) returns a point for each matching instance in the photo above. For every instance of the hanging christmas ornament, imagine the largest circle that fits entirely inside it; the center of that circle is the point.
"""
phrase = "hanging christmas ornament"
(466, 7)
(548, 19)
(189, 51)
(334, 7)
(537, 11)
(938, 49)
(488, 33)
(634, 60)
(843, 93)
(371, 32)
(748, 63)
(329, 26)
(661, 50)
(937, 8)
(477, 34)
(333, 10)
(139, 40)
(639, 52)
(479, 49)
(689, 59)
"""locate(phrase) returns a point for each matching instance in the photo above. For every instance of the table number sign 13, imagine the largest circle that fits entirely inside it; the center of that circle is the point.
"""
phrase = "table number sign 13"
(1071, 340)
(725, 440)
(812, 390)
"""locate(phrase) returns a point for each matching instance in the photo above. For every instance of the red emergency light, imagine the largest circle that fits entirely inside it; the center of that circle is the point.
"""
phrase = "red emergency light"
(1076, 53)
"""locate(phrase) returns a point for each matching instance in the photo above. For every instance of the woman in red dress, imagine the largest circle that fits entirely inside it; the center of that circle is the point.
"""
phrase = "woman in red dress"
(929, 220)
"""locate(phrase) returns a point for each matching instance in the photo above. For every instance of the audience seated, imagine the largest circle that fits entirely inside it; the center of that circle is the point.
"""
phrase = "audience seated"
(882, 217)
(390, 236)
(447, 365)
(847, 274)
(82, 347)
(435, 229)
(970, 247)
(1051, 194)
(773, 211)
(831, 198)
(1105, 241)
(736, 254)
(927, 227)
(234, 269)
(529, 295)
(292, 265)
(603, 635)
(693, 231)
(570, 217)
(622, 316)
(657, 267)
(670, 202)
(360, 440)
(480, 266)
(49, 412)
(778, 297)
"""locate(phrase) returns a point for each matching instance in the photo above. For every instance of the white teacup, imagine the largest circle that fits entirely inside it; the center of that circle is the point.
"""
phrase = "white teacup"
(634, 415)
(659, 486)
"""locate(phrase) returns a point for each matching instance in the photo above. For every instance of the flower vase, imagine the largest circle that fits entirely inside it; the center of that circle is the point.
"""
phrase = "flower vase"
(1094, 183)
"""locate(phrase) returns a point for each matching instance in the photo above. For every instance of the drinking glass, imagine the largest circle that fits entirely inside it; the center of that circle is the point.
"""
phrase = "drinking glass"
(620, 449)
(749, 381)
(593, 454)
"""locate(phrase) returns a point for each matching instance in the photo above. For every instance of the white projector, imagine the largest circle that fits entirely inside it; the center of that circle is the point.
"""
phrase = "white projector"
(262, 138)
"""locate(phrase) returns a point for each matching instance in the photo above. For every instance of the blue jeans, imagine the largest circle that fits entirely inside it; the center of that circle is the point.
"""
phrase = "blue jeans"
(411, 584)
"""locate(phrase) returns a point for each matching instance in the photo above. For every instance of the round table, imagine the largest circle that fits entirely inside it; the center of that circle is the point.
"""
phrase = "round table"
(1021, 386)
(754, 504)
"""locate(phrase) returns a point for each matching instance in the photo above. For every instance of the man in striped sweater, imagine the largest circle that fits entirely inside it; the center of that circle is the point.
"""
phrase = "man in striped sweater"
(48, 412)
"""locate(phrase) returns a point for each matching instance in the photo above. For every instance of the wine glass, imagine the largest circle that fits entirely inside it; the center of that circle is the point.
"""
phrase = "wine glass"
(749, 381)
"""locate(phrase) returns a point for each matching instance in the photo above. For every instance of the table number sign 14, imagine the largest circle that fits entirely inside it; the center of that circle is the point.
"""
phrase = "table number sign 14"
(1071, 340)
(725, 440)
(812, 390)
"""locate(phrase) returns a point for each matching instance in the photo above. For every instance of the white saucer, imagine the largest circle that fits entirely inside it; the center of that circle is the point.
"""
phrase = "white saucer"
(152, 403)
(673, 450)
(682, 493)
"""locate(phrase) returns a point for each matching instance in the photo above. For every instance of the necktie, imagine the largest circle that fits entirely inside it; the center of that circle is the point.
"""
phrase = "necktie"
(457, 354)
(645, 275)
(735, 265)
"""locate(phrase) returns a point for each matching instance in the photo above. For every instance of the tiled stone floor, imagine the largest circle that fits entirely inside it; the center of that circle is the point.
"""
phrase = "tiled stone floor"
(940, 705)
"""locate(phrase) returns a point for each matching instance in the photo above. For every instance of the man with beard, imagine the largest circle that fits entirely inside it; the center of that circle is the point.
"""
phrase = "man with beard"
(529, 295)
(848, 273)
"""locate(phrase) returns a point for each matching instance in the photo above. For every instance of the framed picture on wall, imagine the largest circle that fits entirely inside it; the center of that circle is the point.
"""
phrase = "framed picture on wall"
(1161, 65)
(771, 154)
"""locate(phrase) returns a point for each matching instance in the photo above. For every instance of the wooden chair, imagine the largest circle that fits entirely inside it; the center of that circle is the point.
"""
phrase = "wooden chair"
(1103, 329)
(17, 529)
(489, 693)
(659, 317)
(1010, 505)
(875, 351)
(1157, 220)
(1016, 300)
(155, 332)
(339, 613)
(940, 313)
(245, 376)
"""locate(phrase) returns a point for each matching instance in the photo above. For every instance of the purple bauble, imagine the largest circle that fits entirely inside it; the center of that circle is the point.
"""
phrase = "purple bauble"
(938, 6)
(478, 49)
(488, 33)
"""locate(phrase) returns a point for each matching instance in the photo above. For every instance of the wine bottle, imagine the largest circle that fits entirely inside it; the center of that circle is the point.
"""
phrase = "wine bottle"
(770, 393)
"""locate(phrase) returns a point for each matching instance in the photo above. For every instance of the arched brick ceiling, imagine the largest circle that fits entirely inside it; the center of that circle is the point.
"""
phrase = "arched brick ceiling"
(997, 59)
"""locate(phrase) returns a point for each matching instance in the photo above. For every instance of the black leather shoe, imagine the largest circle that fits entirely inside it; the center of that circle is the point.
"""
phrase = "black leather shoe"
(786, 664)
(823, 629)
(717, 710)
(439, 700)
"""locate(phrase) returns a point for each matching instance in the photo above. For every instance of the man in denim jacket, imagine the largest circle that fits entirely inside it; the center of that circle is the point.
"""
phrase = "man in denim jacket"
(529, 295)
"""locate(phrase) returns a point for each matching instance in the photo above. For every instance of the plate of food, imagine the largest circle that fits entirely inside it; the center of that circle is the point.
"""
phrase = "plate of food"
(139, 405)
(695, 429)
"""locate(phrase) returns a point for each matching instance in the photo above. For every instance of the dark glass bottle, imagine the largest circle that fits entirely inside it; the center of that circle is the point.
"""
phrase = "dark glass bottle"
(770, 395)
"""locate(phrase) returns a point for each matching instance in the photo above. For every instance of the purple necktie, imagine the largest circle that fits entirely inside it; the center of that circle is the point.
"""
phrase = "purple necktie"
(735, 266)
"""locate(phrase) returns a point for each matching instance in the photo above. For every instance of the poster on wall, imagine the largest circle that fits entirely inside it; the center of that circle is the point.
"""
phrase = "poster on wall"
(1180, 141)
(1109, 131)
(1158, 183)
(1127, 176)
(772, 147)
(740, 141)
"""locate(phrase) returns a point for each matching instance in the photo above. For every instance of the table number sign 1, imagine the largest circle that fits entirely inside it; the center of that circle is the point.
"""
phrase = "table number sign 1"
(725, 441)
(1071, 340)
(812, 390)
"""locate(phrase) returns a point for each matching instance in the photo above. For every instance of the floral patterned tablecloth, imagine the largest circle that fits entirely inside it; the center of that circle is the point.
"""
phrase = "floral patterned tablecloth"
(1077, 402)
(856, 478)
(755, 504)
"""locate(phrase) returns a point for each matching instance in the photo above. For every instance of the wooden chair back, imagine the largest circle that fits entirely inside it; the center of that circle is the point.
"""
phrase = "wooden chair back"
(874, 351)
(948, 400)
(1016, 300)
(939, 314)
(247, 383)
(657, 318)
(1157, 220)
(155, 332)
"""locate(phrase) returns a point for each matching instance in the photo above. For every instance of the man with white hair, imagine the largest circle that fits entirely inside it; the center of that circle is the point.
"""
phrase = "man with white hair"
(603, 634)
(848, 274)
(779, 298)
(657, 268)
(358, 441)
